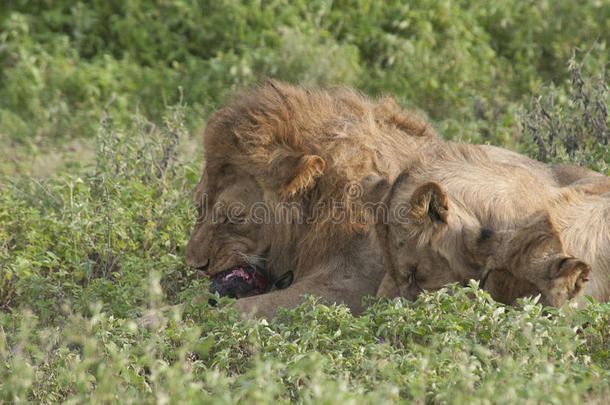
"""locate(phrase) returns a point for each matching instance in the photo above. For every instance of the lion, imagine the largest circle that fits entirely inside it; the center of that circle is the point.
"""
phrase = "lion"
(283, 155)
(485, 222)
(277, 189)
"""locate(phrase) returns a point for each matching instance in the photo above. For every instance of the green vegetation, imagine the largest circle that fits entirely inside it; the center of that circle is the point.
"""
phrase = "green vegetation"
(468, 64)
(98, 101)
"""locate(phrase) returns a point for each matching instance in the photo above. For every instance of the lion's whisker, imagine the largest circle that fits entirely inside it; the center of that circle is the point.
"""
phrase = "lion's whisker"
(251, 258)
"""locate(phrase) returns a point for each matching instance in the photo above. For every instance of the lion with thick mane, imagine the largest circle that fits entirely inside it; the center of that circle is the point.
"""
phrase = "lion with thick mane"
(277, 188)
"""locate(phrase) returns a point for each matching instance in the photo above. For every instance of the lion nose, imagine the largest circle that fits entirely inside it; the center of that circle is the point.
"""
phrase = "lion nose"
(203, 264)
(197, 262)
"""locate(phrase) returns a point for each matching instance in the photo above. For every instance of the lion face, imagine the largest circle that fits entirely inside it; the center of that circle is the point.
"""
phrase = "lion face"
(425, 270)
(534, 255)
(238, 217)
(412, 233)
(228, 231)
(421, 257)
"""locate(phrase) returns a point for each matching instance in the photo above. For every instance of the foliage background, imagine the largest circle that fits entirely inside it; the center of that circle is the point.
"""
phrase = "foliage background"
(100, 106)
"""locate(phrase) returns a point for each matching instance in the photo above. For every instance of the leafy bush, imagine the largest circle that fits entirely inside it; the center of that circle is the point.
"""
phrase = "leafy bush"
(441, 348)
(573, 130)
(459, 61)
(77, 233)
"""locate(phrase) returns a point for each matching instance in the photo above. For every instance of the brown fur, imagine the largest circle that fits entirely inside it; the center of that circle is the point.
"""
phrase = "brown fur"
(582, 221)
(283, 145)
(458, 228)
(280, 144)
(475, 179)
(531, 260)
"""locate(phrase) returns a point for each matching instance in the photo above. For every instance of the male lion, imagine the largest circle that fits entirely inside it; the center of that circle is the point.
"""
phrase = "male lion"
(277, 188)
(442, 228)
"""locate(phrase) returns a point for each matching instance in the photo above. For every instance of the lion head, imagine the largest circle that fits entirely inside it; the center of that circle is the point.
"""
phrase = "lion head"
(280, 161)
(227, 232)
(533, 257)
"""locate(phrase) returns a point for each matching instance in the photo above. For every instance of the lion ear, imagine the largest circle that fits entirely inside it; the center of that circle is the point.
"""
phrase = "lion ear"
(567, 266)
(571, 274)
(298, 174)
(429, 204)
(374, 188)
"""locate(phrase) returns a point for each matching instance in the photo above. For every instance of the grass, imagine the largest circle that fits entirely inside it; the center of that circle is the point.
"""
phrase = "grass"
(100, 157)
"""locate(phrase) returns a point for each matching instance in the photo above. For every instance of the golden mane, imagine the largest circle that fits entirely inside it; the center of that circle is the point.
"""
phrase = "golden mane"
(273, 128)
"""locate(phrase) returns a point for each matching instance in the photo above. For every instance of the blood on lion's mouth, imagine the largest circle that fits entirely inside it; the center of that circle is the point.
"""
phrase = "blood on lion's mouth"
(240, 281)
